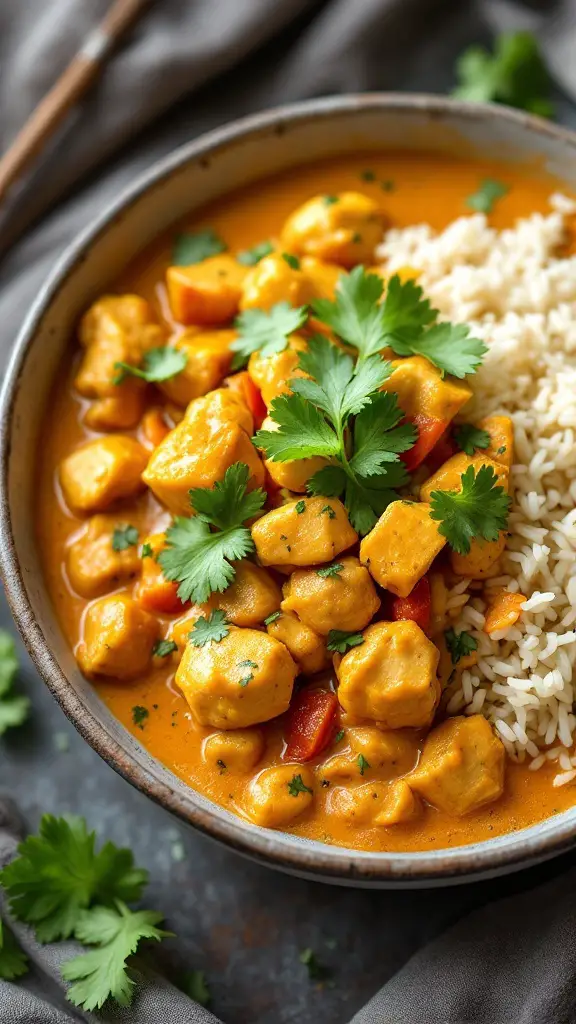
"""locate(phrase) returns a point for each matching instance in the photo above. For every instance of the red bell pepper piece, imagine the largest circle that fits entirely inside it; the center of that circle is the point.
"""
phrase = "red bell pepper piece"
(443, 450)
(416, 606)
(243, 384)
(429, 432)
(310, 724)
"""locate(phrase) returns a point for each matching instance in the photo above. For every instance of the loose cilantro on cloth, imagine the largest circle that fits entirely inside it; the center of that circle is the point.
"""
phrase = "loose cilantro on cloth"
(192, 248)
(459, 644)
(158, 364)
(489, 191)
(479, 510)
(469, 438)
(265, 331)
(14, 708)
(13, 962)
(514, 74)
(199, 558)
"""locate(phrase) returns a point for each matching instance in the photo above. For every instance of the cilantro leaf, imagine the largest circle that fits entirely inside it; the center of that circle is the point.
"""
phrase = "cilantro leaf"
(459, 644)
(250, 257)
(209, 630)
(329, 571)
(366, 498)
(14, 708)
(101, 973)
(303, 431)
(158, 364)
(297, 785)
(292, 261)
(194, 247)
(57, 874)
(447, 346)
(514, 74)
(341, 640)
(354, 314)
(139, 715)
(300, 507)
(13, 962)
(124, 537)
(334, 384)
(265, 331)
(479, 510)
(147, 551)
(377, 437)
(163, 648)
(489, 191)
(362, 763)
(469, 438)
(200, 559)
(272, 618)
(194, 984)
(405, 311)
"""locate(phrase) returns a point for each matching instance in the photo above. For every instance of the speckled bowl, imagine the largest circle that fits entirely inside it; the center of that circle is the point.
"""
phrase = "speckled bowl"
(196, 173)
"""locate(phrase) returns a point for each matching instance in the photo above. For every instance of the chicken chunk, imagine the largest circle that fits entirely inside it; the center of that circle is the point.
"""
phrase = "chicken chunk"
(391, 677)
(206, 293)
(279, 795)
(118, 638)
(274, 280)
(462, 766)
(101, 472)
(482, 559)
(209, 358)
(292, 475)
(116, 329)
(323, 276)
(242, 680)
(375, 804)
(501, 431)
(93, 563)
(449, 476)
(346, 600)
(389, 752)
(343, 229)
(218, 407)
(252, 596)
(306, 647)
(296, 535)
(399, 806)
(234, 752)
(400, 549)
(270, 374)
(423, 391)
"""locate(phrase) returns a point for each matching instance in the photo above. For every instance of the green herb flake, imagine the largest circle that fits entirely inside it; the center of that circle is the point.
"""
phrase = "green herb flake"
(330, 571)
(459, 644)
(139, 715)
(341, 640)
(330, 200)
(488, 193)
(190, 248)
(300, 506)
(272, 618)
(501, 450)
(329, 511)
(362, 763)
(469, 438)
(163, 648)
(368, 175)
(387, 185)
(147, 551)
(339, 735)
(209, 630)
(159, 364)
(124, 537)
(250, 257)
(291, 260)
(297, 786)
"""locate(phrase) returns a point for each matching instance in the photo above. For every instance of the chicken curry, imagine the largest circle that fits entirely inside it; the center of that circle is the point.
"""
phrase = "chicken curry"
(259, 485)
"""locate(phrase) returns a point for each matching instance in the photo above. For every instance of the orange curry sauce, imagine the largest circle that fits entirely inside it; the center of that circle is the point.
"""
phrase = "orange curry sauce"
(431, 190)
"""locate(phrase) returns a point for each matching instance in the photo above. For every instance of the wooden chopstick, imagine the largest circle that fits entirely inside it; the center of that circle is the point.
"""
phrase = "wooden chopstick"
(70, 87)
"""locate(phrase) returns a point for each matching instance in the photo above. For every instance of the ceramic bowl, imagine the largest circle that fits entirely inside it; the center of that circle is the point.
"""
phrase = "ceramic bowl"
(193, 175)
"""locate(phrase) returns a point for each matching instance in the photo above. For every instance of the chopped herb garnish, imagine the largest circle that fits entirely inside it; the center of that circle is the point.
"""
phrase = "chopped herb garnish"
(124, 537)
(387, 185)
(362, 763)
(246, 679)
(147, 551)
(489, 191)
(158, 364)
(192, 248)
(163, 648)
(300, 506)
(209, 630)
(139, 715)
(272, 618)
(341, 640)
(250, 257)
(201, 559)
(291, 260)
(459, 644)
(316, 970)
(329, 571)
(328, 511)
(265, 331)
(501, 450)
(356, 238)
(469, 438)
(479, 510)
(339, 735)
(14, 708)
(297, 785)
(368, 175)
(248, 664)
(514, 74)
(330, 200)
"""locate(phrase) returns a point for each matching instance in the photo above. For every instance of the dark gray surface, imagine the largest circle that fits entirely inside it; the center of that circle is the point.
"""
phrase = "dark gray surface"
(243, 924)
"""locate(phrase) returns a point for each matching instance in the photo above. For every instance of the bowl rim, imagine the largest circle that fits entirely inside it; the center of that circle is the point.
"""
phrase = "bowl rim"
(276, 849)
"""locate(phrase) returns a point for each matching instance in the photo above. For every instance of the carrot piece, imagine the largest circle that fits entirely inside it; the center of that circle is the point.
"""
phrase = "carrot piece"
(154, 426)
(310, 724)
(429, 433)
(503, 611)
(154, 592)
(417, 606)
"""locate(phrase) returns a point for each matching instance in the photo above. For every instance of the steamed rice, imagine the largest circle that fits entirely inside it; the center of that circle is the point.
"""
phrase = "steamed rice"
(519, 295)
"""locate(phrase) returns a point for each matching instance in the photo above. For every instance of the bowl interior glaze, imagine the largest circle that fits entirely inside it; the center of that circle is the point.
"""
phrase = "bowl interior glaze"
(192, 176)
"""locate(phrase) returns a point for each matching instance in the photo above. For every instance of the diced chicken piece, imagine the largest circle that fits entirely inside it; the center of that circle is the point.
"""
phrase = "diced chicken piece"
(207, 292)
(400, 549)
(323, 276)
(347, 600)
(422, 390)
(279, 795)
(482, 559)
(116, 329)
(252, 596)
(501, 430)
(389, 752)
(399, 806)
(273, 280)
(449, 476)
(242, 680)
(343, 229)
(287, 536)
(101, 472)
(92, 563)
(234, 752)
(391, 677)
(462, 766)
(154, 592)
(118, 638)
(271, 373)
(209, 359)
(306, 647)
(196, 453)
(218, 407)
(357, 806)
(292, 475)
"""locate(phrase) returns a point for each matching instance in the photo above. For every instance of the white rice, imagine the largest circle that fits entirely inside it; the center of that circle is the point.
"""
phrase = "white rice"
(519, 294)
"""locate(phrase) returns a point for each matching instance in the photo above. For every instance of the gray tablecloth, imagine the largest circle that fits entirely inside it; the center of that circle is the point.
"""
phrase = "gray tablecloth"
(188, 66)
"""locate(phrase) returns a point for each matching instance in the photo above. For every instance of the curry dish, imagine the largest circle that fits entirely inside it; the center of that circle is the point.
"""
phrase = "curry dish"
(261, 488)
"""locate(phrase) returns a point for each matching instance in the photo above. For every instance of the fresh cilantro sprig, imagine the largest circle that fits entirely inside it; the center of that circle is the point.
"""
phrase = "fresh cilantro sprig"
(403, 321)
(337, 411)
(200, 558)
(100, 974)
(58, 873)
(13, 962)
(158, 364)
(209, 630)
(341, 640)
(14, 708)
(514, 74)
(459, 644)
(265, 331)
(469, 438)
(479, 510)
(193, 247)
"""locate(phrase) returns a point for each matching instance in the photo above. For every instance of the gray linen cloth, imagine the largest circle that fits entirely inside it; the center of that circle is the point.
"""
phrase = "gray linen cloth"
(188, 66)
